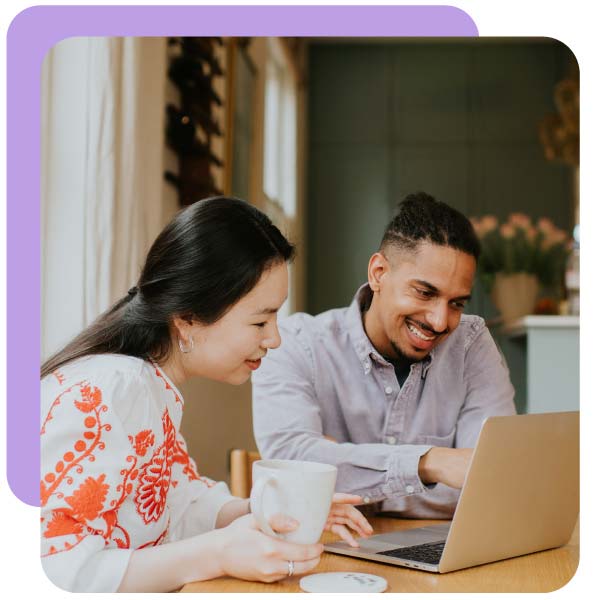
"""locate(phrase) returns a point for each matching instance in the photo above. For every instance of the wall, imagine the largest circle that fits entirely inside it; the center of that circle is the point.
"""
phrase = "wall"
(455, 119)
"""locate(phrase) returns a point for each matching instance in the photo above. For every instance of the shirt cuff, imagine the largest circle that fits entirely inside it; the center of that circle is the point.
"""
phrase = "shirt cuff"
(201, 515)
(403, 473)
(88, 566)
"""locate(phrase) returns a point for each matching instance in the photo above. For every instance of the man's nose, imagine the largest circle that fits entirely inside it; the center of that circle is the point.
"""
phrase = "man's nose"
(438, 317)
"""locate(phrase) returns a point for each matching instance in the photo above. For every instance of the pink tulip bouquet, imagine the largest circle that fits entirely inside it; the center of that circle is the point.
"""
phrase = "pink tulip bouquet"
(519, 246)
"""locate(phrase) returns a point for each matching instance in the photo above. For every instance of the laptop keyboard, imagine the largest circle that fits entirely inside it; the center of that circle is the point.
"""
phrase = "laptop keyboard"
(425, 553)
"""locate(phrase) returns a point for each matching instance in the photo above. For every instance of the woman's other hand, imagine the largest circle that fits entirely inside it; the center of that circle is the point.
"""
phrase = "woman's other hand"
(247, 553)
(343, 518)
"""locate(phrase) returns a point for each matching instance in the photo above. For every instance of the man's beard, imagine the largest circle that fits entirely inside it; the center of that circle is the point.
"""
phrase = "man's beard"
(401, 356)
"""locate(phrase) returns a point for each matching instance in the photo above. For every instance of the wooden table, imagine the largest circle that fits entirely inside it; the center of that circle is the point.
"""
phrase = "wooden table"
(539, 572)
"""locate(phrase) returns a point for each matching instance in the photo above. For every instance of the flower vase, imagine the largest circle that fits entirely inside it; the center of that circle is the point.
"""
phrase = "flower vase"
(514, 294)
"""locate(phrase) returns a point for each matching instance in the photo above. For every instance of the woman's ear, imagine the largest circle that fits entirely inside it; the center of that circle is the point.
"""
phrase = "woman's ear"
(182, 327)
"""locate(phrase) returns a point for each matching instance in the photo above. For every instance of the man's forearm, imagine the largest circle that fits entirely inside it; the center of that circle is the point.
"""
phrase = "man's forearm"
(375, 471)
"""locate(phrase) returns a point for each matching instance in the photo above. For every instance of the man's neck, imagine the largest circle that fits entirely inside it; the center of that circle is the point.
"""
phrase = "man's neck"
(372, 326)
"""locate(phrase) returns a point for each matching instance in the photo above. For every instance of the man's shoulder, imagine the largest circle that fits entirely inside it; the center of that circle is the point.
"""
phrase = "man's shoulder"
(322, 324)
(469, 328)
(471, 322)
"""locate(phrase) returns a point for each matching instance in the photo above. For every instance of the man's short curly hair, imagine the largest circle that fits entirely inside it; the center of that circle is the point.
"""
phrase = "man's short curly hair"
(421, 218)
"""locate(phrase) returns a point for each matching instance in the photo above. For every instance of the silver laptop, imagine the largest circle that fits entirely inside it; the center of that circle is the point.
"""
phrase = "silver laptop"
(521, 495)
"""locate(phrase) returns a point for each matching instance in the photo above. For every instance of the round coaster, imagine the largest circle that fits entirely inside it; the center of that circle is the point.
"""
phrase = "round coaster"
(343, 582)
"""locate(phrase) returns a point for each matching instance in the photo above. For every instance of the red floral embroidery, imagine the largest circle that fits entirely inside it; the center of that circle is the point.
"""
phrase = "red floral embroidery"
(90, 398)
(155, 477)
(55, 404)
(182, 457)
(49, 415)
(142, 441)
(111, 517)
(62, 523)
(90, 402)
(168, 386)
(67, 546)
(158, 540)
(90, 504)
(87, 501)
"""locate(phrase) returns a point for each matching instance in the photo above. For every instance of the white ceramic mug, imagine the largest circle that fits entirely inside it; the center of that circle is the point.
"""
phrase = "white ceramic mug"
(299, 489)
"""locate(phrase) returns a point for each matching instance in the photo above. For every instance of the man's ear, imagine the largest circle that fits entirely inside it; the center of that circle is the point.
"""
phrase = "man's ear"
(377, 271)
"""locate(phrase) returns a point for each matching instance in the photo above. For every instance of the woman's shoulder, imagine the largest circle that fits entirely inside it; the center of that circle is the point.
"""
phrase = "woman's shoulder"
(99, 366)
(112, 382)
(109, 372)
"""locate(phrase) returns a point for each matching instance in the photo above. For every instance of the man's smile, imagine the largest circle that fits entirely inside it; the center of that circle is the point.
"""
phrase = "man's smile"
(413, 329)
(420, 336)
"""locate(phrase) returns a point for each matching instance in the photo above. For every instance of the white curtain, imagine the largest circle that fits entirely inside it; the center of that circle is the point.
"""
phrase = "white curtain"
(103, 110)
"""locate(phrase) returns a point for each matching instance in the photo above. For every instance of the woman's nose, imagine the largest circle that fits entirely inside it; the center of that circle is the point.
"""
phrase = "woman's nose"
(273, 340)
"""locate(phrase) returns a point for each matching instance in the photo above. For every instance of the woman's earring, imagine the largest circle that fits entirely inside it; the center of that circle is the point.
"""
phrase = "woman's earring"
(183, 349)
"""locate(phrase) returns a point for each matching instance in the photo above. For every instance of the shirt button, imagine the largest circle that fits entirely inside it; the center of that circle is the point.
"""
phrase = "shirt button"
(366, 499)
(390, 439)
(409, 489)
(388, 390)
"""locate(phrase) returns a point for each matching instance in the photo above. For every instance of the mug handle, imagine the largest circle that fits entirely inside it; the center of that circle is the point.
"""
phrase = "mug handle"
(256, 503)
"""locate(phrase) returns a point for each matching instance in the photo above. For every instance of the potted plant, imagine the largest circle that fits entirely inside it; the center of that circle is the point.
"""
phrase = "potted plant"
(517, 258)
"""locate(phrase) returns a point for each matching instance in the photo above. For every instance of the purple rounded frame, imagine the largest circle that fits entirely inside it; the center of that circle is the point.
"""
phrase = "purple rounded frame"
(31, 34)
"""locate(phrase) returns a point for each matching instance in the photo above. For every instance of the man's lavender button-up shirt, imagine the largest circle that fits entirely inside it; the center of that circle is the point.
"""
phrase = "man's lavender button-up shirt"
(327, 379)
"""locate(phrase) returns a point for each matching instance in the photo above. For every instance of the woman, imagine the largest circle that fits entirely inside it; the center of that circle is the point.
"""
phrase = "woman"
(123, 507)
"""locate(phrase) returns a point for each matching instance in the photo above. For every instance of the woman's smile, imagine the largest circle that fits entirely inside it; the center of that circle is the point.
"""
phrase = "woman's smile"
(253, 364)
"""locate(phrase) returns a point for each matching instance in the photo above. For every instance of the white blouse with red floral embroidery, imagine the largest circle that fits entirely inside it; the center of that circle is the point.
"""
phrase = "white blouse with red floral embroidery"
(116, 474)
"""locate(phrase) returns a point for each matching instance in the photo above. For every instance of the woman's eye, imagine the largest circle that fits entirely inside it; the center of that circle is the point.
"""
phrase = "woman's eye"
(260, 325)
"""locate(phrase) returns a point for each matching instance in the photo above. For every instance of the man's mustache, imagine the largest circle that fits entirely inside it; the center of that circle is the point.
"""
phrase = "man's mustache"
(427, 328)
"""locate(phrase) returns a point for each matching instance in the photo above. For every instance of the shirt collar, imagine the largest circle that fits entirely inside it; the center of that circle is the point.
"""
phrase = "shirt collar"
(363, 347)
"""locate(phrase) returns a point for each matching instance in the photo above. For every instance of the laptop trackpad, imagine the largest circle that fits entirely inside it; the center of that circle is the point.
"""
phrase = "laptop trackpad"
(408, 537)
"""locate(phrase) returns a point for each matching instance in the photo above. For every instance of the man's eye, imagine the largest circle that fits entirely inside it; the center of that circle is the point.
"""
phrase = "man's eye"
(424, 293)
(460, 305)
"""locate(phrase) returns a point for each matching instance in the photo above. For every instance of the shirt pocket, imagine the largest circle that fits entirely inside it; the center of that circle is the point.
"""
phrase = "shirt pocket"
(445, 441)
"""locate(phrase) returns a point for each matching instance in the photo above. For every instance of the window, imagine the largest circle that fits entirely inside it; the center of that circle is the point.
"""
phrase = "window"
(280, 139)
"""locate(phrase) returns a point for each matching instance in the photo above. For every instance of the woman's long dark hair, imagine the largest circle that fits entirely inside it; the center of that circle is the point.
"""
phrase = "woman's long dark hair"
(205, 260)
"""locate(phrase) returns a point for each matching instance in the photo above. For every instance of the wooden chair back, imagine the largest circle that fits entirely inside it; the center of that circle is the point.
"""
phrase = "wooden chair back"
(240, 462)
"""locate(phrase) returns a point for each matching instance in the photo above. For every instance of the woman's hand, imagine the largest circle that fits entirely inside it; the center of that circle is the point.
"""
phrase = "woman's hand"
(247, 553)
(343, 516)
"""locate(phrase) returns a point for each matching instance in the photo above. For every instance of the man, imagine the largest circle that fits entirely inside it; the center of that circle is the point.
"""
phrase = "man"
(393, 389)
